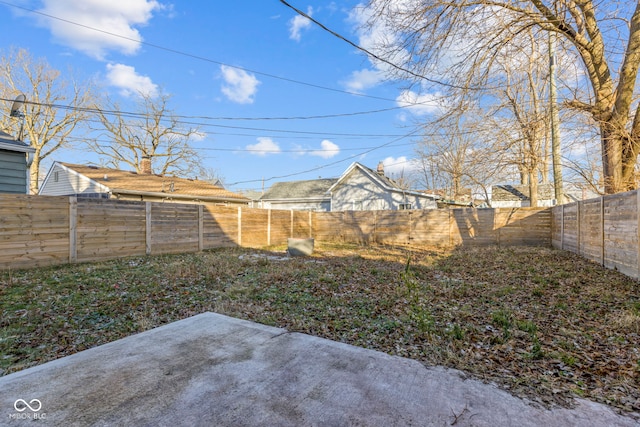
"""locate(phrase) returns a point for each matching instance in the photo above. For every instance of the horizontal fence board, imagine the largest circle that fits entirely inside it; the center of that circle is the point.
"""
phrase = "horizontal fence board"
(220, 226)
(603, 230)
(431, 227)
(254, 227)
(300, 227)
(280, 229)
(100, 229)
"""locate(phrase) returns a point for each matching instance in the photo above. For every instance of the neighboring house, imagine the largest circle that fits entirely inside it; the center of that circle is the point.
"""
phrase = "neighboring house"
(15, 160)
(576, 193)
(65, 179)
(312, 195)
(517, 196)
(358, 188)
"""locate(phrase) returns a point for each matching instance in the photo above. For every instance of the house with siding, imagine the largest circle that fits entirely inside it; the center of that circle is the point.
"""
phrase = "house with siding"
(358, 188)
(65, 179)
(311, 195)
(517, 196)
(15, 161)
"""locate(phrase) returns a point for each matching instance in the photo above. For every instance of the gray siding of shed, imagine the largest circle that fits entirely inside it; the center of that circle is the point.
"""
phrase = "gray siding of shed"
(13, 172)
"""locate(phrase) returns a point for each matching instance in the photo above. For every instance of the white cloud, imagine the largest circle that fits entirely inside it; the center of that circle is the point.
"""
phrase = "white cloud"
(239, 86)
(420, 105)
(299, 23)
(108, 16)
(327, 150)
(129, 82)
(375, 38)
(401, 166)
(263, 147)
(199, 136)
(360, 80)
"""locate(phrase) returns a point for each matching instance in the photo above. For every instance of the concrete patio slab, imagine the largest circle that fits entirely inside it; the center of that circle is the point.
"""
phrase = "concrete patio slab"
(213, 370)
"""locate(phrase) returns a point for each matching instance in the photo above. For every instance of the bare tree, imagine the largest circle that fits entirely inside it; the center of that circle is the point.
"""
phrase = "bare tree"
(522, 100)
(153, 132)
(461, 39)
(460, 152)
(55, 105)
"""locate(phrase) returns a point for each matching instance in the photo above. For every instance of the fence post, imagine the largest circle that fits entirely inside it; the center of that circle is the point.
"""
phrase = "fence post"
(200, 228)
(269, 227)
(638, 241)
(73, 231)
(147, 225)
(562, 227)
(602, 252)
(374, 236)
(579, 228)
(449, 211)
(239, 226)
(496, 212)
(291, 224)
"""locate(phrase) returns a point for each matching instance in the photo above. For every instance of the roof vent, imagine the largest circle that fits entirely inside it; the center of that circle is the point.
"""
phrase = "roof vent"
(380, 169)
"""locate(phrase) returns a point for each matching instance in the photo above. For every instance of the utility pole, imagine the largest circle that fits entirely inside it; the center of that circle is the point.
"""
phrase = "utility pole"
(555, 127)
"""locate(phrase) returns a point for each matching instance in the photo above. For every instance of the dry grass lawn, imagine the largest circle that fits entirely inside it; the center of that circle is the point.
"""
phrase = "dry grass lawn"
(542, 323)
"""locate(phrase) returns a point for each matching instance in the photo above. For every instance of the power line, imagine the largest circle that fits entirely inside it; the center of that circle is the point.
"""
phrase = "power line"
(194, 56)
(368, 52)
(134, 115)
(412, 133)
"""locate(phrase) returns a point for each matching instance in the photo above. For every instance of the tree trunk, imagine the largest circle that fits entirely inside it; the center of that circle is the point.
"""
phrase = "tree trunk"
(34, 174)
(613, 162)
(533, 189)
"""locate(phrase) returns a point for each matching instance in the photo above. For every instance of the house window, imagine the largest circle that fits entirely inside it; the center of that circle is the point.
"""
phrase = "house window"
(55, 176)
(404, 206)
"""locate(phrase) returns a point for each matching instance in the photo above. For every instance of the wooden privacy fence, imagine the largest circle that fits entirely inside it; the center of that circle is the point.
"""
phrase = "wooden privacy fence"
(43, 230)
(439, 227)
(605, 230)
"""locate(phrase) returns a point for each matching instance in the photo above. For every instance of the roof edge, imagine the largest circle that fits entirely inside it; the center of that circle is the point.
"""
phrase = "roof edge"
(178, 195)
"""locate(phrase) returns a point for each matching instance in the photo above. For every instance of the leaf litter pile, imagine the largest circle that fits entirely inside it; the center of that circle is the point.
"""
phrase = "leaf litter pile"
(544, 324)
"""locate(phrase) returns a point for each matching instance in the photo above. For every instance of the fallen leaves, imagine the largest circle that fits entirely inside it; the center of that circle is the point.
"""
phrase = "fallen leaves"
(544, 324)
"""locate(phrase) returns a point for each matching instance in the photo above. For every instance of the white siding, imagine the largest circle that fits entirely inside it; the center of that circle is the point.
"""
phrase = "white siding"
(61, 182)
(359, 192)
(298, 205)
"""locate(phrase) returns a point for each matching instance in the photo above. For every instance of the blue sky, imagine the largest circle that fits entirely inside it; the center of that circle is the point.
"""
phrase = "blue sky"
(257, 71)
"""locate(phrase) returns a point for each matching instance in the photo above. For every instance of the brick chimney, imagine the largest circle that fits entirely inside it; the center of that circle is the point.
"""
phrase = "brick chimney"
(380, 169)
(145, 165)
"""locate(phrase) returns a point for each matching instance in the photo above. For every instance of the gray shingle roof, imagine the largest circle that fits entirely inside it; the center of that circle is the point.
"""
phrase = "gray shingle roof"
(315, 188)
(520, 192)
(8, 142)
